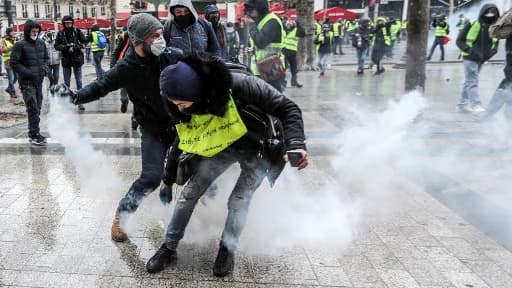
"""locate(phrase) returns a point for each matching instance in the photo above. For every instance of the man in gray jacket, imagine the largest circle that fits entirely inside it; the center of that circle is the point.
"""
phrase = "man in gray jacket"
(186, 31)
(54, 55)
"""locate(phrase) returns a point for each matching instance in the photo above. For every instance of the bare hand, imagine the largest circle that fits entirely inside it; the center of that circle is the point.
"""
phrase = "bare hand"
(304, 161)
(248, 20)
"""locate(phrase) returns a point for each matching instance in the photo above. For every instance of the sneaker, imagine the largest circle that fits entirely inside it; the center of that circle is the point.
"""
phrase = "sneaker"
(462, 108)
(477, 109)
(124, 107)
(38, 140)
(81, 107)
(162, 258)
(224, 263)
(322, 74)
(135, 125)
(360, 71)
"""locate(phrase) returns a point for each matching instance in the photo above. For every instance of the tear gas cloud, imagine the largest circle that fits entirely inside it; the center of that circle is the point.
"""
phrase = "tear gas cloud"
(96, 175)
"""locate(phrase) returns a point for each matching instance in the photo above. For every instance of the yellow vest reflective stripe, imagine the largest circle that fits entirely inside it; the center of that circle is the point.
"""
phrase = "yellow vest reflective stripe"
(272, 48)
(473, 33)
(395, 28)
(291, 41)
(441, 31)
(94, 45)
(462, 24)
(387, 39)
(207, 135)
(336, 27)
(330, 40)
(7, 55)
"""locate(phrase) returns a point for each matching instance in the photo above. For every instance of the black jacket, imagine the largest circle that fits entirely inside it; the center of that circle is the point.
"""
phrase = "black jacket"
(29, 58)
(270, 32)
(71, 38)
(482, 47)
(140, 77)
(246, 91)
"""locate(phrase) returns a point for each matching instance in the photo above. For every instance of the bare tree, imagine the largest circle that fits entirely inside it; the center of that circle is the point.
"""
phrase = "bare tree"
(306, 49)
(417, 38)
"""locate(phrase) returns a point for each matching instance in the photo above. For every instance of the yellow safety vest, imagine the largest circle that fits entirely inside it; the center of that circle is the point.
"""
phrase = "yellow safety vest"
(387, 39)
(7, 55)
(207, 135)
(291, 41)
(442, 31)
(330, 40)
(94, 45)
(272, 48)
(318, 28)
(473, 33)
(336, 27)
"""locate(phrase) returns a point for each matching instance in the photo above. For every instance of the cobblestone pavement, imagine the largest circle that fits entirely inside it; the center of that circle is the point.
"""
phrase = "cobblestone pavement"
(409, 230)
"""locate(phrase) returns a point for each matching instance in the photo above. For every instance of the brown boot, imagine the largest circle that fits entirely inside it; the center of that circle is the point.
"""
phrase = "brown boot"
(117, 233)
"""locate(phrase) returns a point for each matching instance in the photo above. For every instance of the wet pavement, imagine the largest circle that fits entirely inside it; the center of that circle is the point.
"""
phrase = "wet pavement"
(430, 196)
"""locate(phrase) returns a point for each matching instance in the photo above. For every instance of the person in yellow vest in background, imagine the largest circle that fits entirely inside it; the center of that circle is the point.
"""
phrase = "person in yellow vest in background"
(337, 30)
(324, 46)
(398, 29)
(403, 28)
(291, 43)
(6, 45)
(98, 45)
(394, 29)
(442, 29)
(477, 47)
(318, 27)
(267, 36)
(381, 43)
(462, 22)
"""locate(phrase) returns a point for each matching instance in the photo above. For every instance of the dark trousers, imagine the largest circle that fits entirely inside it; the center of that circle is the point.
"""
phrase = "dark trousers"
(338, 45)
(439, 41)
(291, 61)
(153, 152)
(377, 55)
(77, 70)
(252, 174)
(54, 71)
(33, 98)
(97, 56)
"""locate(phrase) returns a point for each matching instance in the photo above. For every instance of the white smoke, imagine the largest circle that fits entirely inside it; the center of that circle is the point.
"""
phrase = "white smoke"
(97, 176)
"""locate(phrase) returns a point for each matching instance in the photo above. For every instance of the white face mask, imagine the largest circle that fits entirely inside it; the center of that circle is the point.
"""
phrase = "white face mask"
(158, 46)
(33, 37)
(489, 15)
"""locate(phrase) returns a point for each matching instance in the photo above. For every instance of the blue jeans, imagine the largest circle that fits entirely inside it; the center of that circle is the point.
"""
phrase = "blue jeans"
(322, 61)
(361, 57)
(469, 93)
(251, 176)
(77, 70)
(153, 152)
(11, 76)
(97, 57)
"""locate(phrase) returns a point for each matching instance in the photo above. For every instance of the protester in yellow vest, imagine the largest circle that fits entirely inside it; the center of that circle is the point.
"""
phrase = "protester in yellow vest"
(381, 43)
(211, 102)
(98, 50)
(267, 36)
(324, 45)
(337, 30)
(477, 47)
(6, 45)
(394, 29)
(442, 29)
(291, 42)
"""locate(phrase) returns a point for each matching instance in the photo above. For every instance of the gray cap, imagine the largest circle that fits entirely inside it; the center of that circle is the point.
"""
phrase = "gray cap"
(141, 26)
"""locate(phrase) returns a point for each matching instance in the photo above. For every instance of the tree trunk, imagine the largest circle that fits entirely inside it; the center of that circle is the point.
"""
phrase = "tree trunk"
(113, 25)
(306, 50)
(417, 38)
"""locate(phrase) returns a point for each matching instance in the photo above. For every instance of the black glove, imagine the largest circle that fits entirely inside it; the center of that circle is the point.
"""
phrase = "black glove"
(61, 90)
(166, 193)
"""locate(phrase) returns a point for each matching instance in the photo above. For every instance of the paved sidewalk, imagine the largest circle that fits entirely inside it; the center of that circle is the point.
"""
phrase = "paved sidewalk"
(374, 221)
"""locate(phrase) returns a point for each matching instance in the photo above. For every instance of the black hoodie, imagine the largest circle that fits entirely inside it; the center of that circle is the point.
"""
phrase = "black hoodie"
(482, 47)
(270, 32)
(29, 58)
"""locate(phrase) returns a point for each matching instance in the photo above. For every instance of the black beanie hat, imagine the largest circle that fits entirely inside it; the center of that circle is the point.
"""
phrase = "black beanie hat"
(180, 82)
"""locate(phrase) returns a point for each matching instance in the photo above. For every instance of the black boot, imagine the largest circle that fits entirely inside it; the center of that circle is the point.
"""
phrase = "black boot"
(124, 106)
(295, 83)
(162, 258)
(224, 263)
(135, 125)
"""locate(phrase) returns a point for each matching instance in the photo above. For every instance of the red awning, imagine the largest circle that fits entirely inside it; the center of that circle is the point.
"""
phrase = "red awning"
(292, 14)
(335, 13)
(278, 9)
(45, 25)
